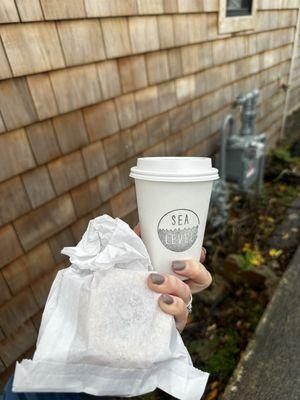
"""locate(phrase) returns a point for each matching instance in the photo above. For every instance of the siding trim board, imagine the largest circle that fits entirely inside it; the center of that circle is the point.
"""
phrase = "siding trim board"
(293, 73)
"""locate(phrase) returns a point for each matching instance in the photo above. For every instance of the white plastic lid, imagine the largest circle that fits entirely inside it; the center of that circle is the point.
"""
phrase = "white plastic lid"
(174, 169)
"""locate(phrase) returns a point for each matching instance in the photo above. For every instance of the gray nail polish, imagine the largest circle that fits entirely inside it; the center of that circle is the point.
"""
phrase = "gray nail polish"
(178, 265)
(157, 279)
(167, 299)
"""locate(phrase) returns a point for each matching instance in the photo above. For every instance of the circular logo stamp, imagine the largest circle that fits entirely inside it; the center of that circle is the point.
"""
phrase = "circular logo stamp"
(178, 229)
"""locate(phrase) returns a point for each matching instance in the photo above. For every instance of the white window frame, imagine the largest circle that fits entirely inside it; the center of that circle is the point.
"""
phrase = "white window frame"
(236, 23)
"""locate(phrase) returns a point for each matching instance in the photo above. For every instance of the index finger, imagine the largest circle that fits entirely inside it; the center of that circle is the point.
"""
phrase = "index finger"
(137, 229)
(203, 255)
(198, 276)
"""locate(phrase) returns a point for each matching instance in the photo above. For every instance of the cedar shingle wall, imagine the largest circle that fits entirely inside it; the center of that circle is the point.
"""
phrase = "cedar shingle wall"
(87, 86)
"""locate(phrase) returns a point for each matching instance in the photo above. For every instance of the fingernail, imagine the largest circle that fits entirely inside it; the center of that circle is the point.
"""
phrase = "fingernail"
(157, 279)
(178, 265)
(204, 250)
(167, 299)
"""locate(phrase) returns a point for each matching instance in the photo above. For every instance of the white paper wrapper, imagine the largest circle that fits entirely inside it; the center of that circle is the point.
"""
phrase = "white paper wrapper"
(102, 331)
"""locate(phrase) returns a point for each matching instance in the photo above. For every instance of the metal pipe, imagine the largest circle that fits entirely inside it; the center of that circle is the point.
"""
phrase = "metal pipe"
(246, 114)
(255, 94)
(260, 180)
(228, 121)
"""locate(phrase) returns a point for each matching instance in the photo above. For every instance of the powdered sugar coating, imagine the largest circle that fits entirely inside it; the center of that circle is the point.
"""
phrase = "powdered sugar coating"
(125, 324)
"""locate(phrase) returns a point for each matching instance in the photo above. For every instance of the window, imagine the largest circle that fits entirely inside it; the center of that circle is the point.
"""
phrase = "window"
(237, 15)
(237, 8)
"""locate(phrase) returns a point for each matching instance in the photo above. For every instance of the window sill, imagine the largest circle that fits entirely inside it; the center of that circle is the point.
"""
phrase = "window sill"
(236, 24)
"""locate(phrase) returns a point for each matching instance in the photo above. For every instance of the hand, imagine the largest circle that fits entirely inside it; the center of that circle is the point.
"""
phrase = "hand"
(176, 293)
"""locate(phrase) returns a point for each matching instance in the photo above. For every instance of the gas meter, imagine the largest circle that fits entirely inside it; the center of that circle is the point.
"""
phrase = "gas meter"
(242, 155)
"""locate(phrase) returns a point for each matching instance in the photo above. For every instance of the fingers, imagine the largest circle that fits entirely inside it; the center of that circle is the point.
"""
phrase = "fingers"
(175, 306)
(176, 293)
(169, 284)
(203, 255)
(198, 276)
(137, 229)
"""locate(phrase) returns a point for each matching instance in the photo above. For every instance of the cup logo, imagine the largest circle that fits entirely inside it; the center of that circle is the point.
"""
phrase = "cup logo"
(178, 229)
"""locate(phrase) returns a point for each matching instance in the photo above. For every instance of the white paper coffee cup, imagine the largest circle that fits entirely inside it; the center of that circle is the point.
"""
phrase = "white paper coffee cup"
(173, 195)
